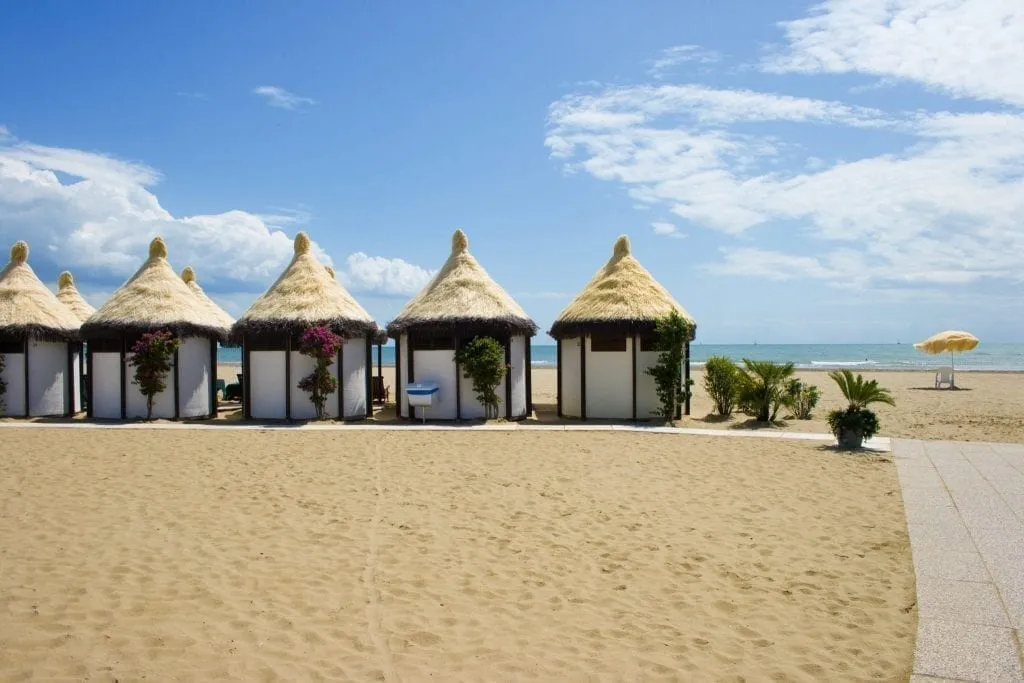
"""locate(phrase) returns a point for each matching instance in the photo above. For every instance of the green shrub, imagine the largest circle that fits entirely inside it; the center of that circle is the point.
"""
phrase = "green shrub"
(672, 333)
(482, 360)
(722, 380)
(802, 399)
(763, 388)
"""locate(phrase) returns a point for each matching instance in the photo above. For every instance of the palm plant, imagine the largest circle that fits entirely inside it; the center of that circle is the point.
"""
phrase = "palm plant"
(764, 388)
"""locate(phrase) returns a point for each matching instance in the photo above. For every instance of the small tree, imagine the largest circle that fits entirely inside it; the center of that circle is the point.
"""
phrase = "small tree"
(320, 344)
(802, 399)
(151, 357)
(722, 383)
(763, 389)
(671, 332)
(482, 360)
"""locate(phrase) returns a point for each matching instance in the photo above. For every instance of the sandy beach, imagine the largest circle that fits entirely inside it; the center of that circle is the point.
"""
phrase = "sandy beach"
(988, 407)
(143, 554)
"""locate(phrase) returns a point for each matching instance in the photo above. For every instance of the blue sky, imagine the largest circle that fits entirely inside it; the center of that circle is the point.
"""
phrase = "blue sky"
(847, 171)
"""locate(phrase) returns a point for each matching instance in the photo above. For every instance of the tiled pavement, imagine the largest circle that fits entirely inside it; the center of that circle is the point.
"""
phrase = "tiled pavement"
(965, 514)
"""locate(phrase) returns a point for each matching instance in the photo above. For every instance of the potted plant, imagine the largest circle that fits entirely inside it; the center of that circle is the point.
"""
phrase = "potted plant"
(856, 423)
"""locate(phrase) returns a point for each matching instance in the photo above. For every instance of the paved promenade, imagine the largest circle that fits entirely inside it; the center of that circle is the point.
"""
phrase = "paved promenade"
(965, 514)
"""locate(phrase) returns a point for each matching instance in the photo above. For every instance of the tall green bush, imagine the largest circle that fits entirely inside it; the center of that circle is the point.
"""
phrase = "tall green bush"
(763, 388)
(671, 333)
(722, 383)
(321, 344)
(482, 360)
(151, 357)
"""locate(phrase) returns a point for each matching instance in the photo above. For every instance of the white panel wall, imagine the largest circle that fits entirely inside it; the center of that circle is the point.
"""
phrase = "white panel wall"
(570, 377)
(135, 402)
(195, 376)
(14, 375)
(518, 376)
(302, 407)
(438, 366)
(266, 385)
(610, 383)
(646, 393)
(402, 399)
(48, 378)
(353, 378)
(76, 368)
(106, 386)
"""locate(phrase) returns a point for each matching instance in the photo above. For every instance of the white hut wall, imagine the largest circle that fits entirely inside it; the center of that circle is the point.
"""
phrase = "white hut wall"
(570, 369)
(302, 406)
(194, 377)
(105, 375)
(353, 378)
(47, 378)
(14, 376)
(76, 368)
(267, 388)
(402, 400)
(609, 377)
(439, 366)
(135, 402)
(646, 390)
(517, 375)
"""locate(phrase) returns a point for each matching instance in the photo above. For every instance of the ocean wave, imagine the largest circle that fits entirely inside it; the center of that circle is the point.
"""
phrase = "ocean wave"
(841, 363)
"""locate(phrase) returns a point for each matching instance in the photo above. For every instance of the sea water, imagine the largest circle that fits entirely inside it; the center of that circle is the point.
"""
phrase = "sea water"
(863, 357)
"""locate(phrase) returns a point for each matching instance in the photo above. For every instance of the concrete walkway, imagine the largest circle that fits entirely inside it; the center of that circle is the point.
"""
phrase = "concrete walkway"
(965, 514)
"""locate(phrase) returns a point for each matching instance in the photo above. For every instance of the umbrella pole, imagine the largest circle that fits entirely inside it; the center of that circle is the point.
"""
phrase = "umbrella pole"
(952, 372)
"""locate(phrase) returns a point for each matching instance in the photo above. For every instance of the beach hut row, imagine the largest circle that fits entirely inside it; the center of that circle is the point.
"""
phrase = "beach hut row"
(605, 339)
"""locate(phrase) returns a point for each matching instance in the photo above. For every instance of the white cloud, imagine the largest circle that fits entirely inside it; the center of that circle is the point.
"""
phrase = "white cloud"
(667, 230)
(281, 98)
(967, 48)
(383, 276)
(4, 132)
(941, 207)
(681, 54)
(96, 214)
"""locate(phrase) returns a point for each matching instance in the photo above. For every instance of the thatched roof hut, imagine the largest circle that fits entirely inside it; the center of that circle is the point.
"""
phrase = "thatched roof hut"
(188, 276)
(28, 309)
(69, 295)
(155, 298)
(622, 297)
(306, 294)
(462, 299)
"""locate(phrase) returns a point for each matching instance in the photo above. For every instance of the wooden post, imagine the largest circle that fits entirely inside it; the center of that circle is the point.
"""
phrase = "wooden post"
(340, 360)
(686, 377)
(458, 382)
(246, 378)
(28, 409)
(412, 374)
(529, 378)
(88, 382)
(214, 403)
(70, 410)
(124, 379)
(558, 374)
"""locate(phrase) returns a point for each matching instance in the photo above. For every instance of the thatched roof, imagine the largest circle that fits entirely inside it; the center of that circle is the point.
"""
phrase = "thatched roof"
(28, 309)
(380, 337)
(622, 296)
(188, 276)
(68, 295)
(155, 298)
(305, 295)
(462, 299)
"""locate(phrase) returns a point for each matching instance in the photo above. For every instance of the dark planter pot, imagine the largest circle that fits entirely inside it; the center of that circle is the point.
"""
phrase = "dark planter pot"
(850, 440)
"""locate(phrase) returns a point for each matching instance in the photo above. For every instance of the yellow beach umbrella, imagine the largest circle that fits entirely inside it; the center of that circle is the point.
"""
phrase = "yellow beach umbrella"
(951, 341)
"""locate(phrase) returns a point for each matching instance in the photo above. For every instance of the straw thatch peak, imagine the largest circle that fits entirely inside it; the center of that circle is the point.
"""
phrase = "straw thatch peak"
(330, 271)
(28, 309)
(155, 298)
(306, 294)
(462, 299)
(188, 276)
(622, 296)
(68, 295)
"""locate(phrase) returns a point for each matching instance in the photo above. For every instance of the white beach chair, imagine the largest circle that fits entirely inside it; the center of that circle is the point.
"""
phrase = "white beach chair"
(944, 377)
